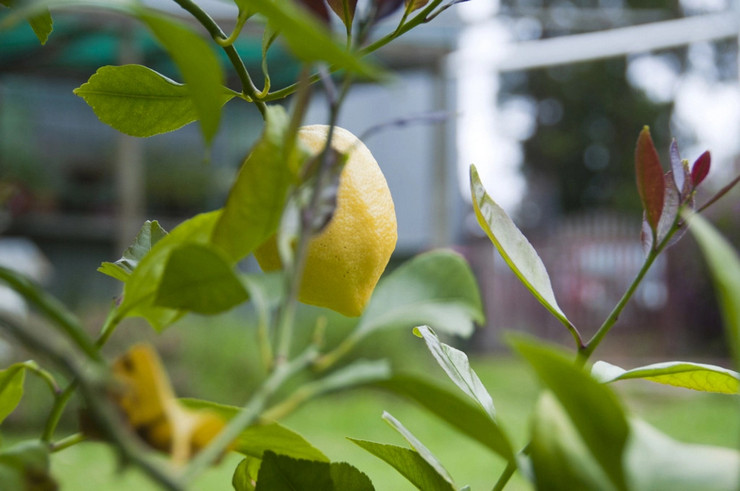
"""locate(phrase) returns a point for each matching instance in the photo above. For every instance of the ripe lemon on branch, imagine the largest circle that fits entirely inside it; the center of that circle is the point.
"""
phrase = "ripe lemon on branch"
(345, 260)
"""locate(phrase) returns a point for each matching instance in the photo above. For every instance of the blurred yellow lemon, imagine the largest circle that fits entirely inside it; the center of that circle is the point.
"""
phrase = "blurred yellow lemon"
(346, 259)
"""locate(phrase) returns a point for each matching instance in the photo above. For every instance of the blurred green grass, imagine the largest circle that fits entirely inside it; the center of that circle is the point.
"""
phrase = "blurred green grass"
(216, 359)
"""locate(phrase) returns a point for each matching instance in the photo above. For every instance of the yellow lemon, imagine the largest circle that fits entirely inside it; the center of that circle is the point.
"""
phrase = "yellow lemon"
(345, 261)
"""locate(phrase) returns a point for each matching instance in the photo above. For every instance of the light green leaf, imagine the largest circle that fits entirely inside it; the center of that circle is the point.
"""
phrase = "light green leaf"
(592, 407)
(199, 279)
(656, 462)
(257, 198)
(435, 288)
(513, 247)
(138, 101)
(11, 388)
(306, 37)
(257, 439)
(696, 376)
(456, 365)
(468, 419)
(25, 466)
(419, 447)
(724, 265)
(409, 464)
(245, 474)
(560, 459)
(149, 234)
(198, 65)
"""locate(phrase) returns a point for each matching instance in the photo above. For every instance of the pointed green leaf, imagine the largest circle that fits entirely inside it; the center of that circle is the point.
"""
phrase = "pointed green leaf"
(696, 376)
(419, 447)
(282, 473)
(724, 264)
(306, 37)
(257, 197)
(11, 388)
(656, 462)
(513, 247)
(345, 476)
(592, 407)
(436, 288)
(199, 279)
(456, 365)
(560, 459)
(650, 180)
(149, 234)
(138, 101)
(409, 464)
(456, 411)
(198, 65)
(25, 466)
(255, 440)
(39, 19)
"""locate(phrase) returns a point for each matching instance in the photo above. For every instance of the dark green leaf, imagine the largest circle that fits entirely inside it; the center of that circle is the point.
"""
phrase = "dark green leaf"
(149, 234)
(138, 101)
(458, 412)
(347, 477)
(257, 198)
(199, 279)
(25, 466)
(594, 409)
(257, 439)
(650, 179)
(198, 66)
(39, 19)
(436, 288)
(409, 464)
(11, 388)
(724, 264)
(513, 246)
(281, 473)
(696, 376)
(456, 365)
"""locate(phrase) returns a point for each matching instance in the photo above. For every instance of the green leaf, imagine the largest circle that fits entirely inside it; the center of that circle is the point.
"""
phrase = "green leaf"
(724, 264)
(198, 65)
(282, 473)
(560, 459)
(257, 197)
(594, 409)
(25, 466)
(436, 288)
(412, 5)
(456, 365)
(138, 101)
(656, 462)
(513, 247)
(11, 388)
(696, 376)
(306, 37)
(245, 474)
(199, 279)
(409, 464)
(468, 419)
(419, 447)
(149, 234)
(345, 476)
(360, 372)
(141, 289)
(257, 439)
(650, 179)
(40, 21)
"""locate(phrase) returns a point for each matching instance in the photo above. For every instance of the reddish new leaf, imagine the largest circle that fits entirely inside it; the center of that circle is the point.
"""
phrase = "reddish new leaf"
(681, 173)
(318, 8)
(412, 5)
(345, 9)
(700, 169)
(650, 179)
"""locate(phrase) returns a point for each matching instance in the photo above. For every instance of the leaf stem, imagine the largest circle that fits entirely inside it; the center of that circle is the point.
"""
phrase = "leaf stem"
(248, 87)
(67, 442)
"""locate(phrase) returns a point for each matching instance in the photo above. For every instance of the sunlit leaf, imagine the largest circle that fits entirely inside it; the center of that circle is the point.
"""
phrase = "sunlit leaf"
(409, 464)
(513, 246)
(465, 417)
(257, 197)
(198, 65)
(345, 9)
(724, 264)
(700, 169)
(592, 407)
(25, 466)
(456, 365)
(656, 462)
(149, 234)
(696, 376)
(650, 179)
(11, 388)
(436, 288)
(138, 101)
